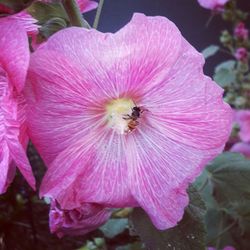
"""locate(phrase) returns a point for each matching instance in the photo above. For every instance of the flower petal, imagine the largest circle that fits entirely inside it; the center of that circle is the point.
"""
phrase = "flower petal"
(86, 5)
(78, 221)
(14, 56)
(243, 118)
(241, 147)
(136, 57)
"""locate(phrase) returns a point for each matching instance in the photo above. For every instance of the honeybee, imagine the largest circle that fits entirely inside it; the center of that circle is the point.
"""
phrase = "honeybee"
(132, 119)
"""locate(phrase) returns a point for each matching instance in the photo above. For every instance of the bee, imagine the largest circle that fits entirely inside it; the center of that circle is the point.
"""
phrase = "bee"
(132, 119)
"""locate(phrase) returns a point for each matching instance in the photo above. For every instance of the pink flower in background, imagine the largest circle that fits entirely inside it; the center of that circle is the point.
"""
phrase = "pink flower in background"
(242, 117)
(225, 248)
(125, 119)
(78, 221)
(241, 147)
(241, 54)
(14, 60)
(84, 5)
(213, 4)
(25, 20)
(240, 31)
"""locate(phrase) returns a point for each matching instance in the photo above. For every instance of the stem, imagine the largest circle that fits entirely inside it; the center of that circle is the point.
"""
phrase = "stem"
(73, 12)
(98, 14)
(222, 232)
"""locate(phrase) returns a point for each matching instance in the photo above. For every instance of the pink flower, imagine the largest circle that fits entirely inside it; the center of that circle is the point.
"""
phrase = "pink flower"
(14, 60)
(84, 5)
(125, 119)
(225, 248)
(78, 221)
(240, 31)
(241, 54)
(243, 119)
(213, 4)
(25, 20)
(241, 147)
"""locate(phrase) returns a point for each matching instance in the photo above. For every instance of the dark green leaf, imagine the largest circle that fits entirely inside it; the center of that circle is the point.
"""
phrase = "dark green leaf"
(230, 175)
(189, 234)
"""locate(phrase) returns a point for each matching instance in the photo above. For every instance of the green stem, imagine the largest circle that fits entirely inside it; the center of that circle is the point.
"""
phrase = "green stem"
(98, 14)
(73, 12)
(217, 238)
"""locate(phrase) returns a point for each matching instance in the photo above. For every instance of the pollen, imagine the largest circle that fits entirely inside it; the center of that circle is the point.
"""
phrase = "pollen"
(118, 112)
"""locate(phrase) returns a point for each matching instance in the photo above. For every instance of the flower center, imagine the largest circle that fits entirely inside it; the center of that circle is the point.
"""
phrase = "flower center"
(122, 115)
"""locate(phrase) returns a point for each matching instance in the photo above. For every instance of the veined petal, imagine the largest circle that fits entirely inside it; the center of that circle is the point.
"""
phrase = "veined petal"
(4, 166)
(161, 170)
(188, 107)
(136, 57)
(62, 107)
(14, 56)
(97, 158)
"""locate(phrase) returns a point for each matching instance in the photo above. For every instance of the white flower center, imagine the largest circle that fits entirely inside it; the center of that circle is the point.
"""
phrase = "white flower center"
(119, 115)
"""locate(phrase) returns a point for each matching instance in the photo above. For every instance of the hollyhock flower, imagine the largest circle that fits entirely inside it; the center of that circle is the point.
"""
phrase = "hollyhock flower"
(217, 5)
(241, 54)
(225, 248)
(25, 20)
(125, 119)
(242, 117)
(78, 221)
(84, 5)
(242, 148)
(240, 31)
(14, 60)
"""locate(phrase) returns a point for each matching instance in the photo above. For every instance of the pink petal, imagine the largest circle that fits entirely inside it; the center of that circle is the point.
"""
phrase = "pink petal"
(243, 118)
(4, 163)
(86, 5)
(25, 20)
(212, 4)
(134, 58)
(78, 221)
(241, 147)
(9, 133)
(14, 56)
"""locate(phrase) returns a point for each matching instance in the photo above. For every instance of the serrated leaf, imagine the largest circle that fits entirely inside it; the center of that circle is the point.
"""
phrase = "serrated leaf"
(189, 234)
(210, 51)
(230, 175)
(114, 227)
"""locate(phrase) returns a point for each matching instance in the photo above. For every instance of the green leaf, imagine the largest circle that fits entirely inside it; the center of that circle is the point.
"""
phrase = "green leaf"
(114, 227)
(225, 74)
(210, 51)
(189, 234)
(230, 175)
(230, 65)
(52, 26)
(46, 11)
